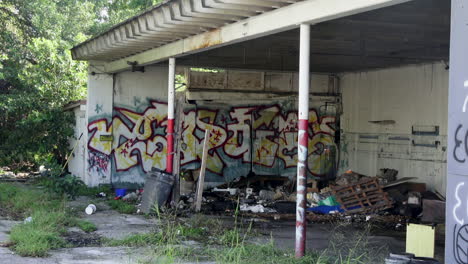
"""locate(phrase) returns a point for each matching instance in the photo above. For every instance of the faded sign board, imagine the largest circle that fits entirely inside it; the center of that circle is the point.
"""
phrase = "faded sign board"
(456, 250)
(106, 138)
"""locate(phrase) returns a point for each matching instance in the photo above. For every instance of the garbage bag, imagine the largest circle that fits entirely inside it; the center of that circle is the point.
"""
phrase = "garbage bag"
(329, 201)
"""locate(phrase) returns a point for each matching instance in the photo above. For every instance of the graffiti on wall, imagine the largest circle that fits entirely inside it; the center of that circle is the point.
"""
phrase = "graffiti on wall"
(259, 138)
(261, 135)
(98, 163)
(138, 138)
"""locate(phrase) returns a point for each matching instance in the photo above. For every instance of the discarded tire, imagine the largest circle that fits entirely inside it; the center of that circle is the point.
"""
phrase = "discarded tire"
(158, 187)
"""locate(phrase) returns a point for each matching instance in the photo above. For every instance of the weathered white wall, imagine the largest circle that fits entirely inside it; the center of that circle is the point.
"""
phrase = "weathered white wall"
(76, 164)
(127, 119)
(126, 115)
(99, 107)
(414, 97)
(140, 102)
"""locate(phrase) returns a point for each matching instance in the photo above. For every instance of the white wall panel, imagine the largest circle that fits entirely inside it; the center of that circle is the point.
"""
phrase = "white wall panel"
(99, 107)
(404, 98)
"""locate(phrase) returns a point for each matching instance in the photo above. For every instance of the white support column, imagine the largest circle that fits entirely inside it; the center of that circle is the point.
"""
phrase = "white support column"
(304, 83)
(170, 116)
(457, 138)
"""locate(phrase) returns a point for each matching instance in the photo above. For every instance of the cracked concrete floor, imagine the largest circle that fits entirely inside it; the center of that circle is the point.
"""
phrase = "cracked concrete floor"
(111, 224)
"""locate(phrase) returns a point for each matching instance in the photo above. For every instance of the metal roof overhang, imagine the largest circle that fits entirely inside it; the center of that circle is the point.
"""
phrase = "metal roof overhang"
(170, 21)
(409, 33)
(178, 28)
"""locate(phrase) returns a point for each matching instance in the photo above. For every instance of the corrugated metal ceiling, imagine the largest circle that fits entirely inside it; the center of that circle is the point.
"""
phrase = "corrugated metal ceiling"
(168, 22)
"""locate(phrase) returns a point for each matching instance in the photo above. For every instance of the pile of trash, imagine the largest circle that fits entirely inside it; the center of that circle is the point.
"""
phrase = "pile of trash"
(8, 175)
(349, 194)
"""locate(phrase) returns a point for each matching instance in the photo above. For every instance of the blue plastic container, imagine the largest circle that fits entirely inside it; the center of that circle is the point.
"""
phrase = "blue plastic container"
(120, 192)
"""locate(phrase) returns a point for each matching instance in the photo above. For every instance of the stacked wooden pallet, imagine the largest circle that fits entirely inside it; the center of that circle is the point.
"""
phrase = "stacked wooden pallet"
(364, 196)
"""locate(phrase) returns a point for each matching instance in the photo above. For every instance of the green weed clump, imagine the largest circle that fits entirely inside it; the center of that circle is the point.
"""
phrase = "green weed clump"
(122, 206)
(86, 226)
(137, 240)
(48, 216)
(38, 236)
(49, 219)
(19, 202)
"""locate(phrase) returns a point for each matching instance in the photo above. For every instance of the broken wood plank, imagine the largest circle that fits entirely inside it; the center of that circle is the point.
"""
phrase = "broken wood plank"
(399, 181)
(201, 178)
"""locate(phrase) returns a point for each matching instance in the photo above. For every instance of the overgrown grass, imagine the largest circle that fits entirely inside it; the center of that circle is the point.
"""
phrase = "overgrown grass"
(358, 250)
(263, 254)
(86, 225)
(48, 214)
(49, 219)
(40, 235)
(93, 191)
(229, 245)
(137, 240)
(122, 206)
(232, 246)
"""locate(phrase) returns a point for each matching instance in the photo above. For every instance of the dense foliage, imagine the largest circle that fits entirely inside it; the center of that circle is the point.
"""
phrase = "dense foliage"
(38, 76)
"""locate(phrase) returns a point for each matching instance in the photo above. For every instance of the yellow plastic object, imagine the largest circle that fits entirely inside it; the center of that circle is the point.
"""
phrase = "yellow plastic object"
(420, 240)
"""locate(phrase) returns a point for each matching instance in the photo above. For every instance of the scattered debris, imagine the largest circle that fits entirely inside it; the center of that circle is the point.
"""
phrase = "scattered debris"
(157, 189)
(120, 192)
(28, 220)
(350, 197)
(201, 178)
(387, 176)
(433, 211)
(7, 175)
(398, 182)
(409, 258)
(130, 196)
(365, 195)
(252, 208)
(347, 178)
(231, 191)
(90, 209)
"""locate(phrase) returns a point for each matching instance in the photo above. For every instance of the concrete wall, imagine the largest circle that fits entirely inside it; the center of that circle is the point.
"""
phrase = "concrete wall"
(140, 112)
(258, 136)
(76, 164)
(127, 119)
(254, 115)
(396, 118)
(392, 118)
(253, 126)
(99, 111)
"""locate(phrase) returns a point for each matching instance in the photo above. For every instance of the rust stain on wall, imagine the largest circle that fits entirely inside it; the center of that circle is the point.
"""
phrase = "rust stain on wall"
(208, 39)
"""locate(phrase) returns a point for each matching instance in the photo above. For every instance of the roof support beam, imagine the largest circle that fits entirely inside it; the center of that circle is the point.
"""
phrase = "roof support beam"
(302, 151)
(282, 19)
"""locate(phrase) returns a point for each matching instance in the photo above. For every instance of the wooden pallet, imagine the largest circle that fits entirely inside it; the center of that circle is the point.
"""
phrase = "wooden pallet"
(365, 196)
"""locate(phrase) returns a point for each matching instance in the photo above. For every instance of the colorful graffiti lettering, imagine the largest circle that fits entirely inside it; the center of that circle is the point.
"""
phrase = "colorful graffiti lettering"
(98, 163)
(260, 135)
(136, 141)
(259, 138)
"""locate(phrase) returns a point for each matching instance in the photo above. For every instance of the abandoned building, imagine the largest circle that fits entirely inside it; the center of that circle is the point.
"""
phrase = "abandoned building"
(367, 80)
